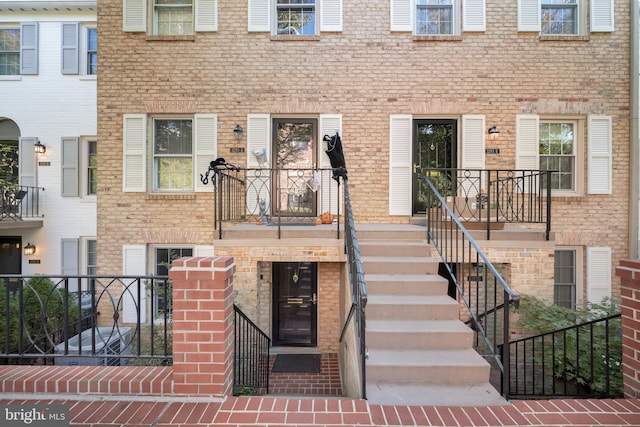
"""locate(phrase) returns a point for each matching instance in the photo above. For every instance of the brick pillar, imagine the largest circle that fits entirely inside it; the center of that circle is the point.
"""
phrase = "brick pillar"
(629, 273)
(203, 326)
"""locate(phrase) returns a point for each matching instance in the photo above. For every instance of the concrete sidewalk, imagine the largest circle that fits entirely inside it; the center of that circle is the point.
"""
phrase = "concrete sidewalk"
(167, 411)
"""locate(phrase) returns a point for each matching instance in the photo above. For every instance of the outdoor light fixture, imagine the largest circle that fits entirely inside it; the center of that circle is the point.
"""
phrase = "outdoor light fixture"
(237, 132)
(39, 148)
(29, 249)
(494, 133)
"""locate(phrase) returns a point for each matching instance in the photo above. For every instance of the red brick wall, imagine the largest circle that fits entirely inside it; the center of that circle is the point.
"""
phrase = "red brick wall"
(203, 326)
(629, 273)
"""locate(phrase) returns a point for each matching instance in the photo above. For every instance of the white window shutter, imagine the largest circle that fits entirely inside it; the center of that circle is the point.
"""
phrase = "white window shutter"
(527, 142)
(70, 58)
(602, 16)
(70, 173)
(134, 158)
(134, 15)
(259, 16)
(69, 262)
(599, 163)
(400, 171)
(29, 48)
(27, 162)
(203, 251)
(258, 142)
(206, 147)
(331, 15)
(134, 258)
(329, 125)
(474, 15)
(402, 15)
(529, 15)
(206, 15)
(598, 274)
(473, 128)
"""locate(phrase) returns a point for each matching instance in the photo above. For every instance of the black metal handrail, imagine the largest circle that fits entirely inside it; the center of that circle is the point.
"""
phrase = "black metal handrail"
(273, 196)
(18, 202)
(583, 360)
(491, 196)
(251, 357)
(358, 287)
(478, 283)
(85, 319)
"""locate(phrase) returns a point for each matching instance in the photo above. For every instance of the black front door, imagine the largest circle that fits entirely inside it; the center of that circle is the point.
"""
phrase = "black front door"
(434, 146)
(295, 304)
(10, 255)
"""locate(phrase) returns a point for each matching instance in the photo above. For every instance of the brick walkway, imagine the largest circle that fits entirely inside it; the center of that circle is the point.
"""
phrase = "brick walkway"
(274, 411)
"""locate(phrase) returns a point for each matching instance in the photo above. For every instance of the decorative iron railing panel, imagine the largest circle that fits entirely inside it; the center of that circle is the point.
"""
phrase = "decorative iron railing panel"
(478, 284)
(251, 358)
(494, 196)
(92, 320)
(583, 361)
(18, 202)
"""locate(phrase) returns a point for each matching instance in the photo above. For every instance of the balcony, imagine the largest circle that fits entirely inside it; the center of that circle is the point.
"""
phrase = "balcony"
(21, 207)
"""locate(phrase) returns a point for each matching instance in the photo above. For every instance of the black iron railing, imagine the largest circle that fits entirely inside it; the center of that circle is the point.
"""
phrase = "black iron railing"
(495, 196)
(92, 320)
(275, 197)
(251, 358)
(19, 202)
(584, 360)
(358, 288)
(478, 284)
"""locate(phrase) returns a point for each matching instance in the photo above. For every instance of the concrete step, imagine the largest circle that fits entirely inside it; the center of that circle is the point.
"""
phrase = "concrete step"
(394, 248)
(479, 394)
(412, 307)
(406, 284)
(399, 265)
(457, 366)
(423, 335)
(396, 232)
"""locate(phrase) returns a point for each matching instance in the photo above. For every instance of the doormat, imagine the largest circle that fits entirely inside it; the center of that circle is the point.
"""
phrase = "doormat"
(302, 363)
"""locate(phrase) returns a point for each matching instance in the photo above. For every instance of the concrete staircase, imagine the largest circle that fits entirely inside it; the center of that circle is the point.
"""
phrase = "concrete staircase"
(420, 353)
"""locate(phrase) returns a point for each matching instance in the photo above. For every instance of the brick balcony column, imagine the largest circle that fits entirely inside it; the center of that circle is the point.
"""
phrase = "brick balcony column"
(629, 273)
(203, 326)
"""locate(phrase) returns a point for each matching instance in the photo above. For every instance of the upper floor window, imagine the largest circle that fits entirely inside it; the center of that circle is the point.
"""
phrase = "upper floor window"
(9, 51)
(92, 51)
(558, 154)
(296, 17)
(434, 17)
(170, 17)
(79, 166)
(438, 17)
(559, 17)
(92, 167)
(173, 154)
(564, 288)
(565, 17)
(173, 17)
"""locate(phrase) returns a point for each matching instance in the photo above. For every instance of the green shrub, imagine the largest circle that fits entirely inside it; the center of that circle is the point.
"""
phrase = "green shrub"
(580, 354)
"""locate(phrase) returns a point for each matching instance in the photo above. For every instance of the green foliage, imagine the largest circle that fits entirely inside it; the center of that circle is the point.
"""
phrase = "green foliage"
(579, 354)
(43, 313)
(245, 391)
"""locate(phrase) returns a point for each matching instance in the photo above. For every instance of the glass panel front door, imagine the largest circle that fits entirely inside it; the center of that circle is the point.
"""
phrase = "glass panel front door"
(434, 147)
(295, 147)
(295, 304)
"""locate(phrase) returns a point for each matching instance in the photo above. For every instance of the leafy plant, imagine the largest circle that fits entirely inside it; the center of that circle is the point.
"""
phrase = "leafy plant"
(584, 351)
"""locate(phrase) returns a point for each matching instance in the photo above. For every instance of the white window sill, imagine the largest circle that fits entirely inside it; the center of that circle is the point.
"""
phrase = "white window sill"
(89, 77)
(10, 78)
(443, 38)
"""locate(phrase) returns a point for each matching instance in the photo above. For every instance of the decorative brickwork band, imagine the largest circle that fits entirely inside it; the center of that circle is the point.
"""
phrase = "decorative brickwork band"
(629, 273)
(203, 326)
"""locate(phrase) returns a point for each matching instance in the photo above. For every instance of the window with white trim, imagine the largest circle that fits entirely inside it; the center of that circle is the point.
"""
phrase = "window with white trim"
(435, 17)
(79, 48)
(565, 278)
(565, 17)
(295, 17)
(162, 294)
(19, 49)
(92, 168)
(91, 51)
(557, 151)
(170, 17)
(180, 149)
(9, 51)
(79, 167)
(173, 17)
